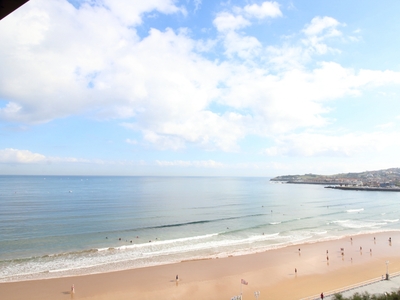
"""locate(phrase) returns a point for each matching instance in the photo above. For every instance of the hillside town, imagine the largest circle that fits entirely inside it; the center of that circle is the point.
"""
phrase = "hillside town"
(381, 179)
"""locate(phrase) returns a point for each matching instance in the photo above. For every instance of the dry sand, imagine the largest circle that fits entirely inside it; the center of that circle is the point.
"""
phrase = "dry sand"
(271, 272)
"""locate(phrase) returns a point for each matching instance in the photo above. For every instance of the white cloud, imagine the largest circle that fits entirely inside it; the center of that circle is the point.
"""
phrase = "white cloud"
(17, 156)
(318, 31)
(386, 125)
(132, 142)
(228, 22)
(10, 155)
(244, 47)
(325, 26)
(266, 9)
(205, 129)
(197, 4)
(59, 61)
(131, 12)
(351, 144)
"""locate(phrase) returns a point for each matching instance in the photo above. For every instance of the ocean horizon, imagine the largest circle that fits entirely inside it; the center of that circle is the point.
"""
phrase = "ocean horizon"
(55, 226)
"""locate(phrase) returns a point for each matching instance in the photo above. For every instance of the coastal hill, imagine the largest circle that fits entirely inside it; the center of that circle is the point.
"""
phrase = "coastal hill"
(389, 178)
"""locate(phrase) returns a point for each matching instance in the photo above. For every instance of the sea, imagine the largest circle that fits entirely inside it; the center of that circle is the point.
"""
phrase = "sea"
(56, 226)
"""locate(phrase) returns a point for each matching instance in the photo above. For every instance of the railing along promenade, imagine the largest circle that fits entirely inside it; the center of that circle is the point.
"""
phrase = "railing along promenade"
(350, 287)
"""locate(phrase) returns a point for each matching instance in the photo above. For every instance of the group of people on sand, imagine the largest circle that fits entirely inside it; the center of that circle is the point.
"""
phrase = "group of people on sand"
(342, 253)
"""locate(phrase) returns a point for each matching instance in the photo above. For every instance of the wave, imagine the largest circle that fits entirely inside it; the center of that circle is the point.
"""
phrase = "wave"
(356, 224)
(391, 221)
(187, 223)
(354, 210)
(93, 251)
(103, 249)
(166, 242)
(321, 232)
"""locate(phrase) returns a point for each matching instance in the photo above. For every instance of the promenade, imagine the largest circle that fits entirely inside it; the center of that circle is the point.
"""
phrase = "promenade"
(375, 286)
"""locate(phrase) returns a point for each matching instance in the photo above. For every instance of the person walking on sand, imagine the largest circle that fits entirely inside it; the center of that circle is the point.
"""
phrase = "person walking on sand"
(72, 289)
(322, 295)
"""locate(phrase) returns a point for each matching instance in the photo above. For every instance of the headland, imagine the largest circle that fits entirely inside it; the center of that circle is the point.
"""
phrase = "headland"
(381, 180)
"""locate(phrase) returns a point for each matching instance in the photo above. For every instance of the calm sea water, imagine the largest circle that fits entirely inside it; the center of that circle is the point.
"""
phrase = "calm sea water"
(61, 226)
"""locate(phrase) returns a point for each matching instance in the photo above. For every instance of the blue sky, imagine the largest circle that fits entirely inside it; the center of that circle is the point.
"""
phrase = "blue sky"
(199, 88)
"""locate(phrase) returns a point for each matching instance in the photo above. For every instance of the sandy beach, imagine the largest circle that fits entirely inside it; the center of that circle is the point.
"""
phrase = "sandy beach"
(271, 272)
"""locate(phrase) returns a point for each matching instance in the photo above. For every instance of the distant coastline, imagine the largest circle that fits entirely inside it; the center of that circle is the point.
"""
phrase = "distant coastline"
(382, 180)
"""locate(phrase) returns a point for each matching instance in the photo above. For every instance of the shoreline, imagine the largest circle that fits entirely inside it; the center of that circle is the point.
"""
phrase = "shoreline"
(273, 247)
(340, 186)
(271, 272)
(366, 188)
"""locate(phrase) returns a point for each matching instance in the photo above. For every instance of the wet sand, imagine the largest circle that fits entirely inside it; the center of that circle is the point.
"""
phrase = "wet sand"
(271, 272)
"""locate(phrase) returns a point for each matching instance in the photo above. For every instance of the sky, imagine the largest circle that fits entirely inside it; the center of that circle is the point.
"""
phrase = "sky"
(199, 87)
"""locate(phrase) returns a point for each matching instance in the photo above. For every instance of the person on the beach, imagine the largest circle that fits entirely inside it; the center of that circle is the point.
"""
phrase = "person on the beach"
(295, 271)
(322, 295)
(72, 289)
(177, 278)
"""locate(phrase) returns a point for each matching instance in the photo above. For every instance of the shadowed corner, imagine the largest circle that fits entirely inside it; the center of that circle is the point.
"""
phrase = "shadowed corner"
(8, 6)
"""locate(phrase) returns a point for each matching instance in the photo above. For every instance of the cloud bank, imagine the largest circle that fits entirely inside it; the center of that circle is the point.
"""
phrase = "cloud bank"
(59, 60)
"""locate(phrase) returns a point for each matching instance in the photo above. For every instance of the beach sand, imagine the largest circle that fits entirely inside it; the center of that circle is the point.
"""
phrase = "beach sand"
(271, 272)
